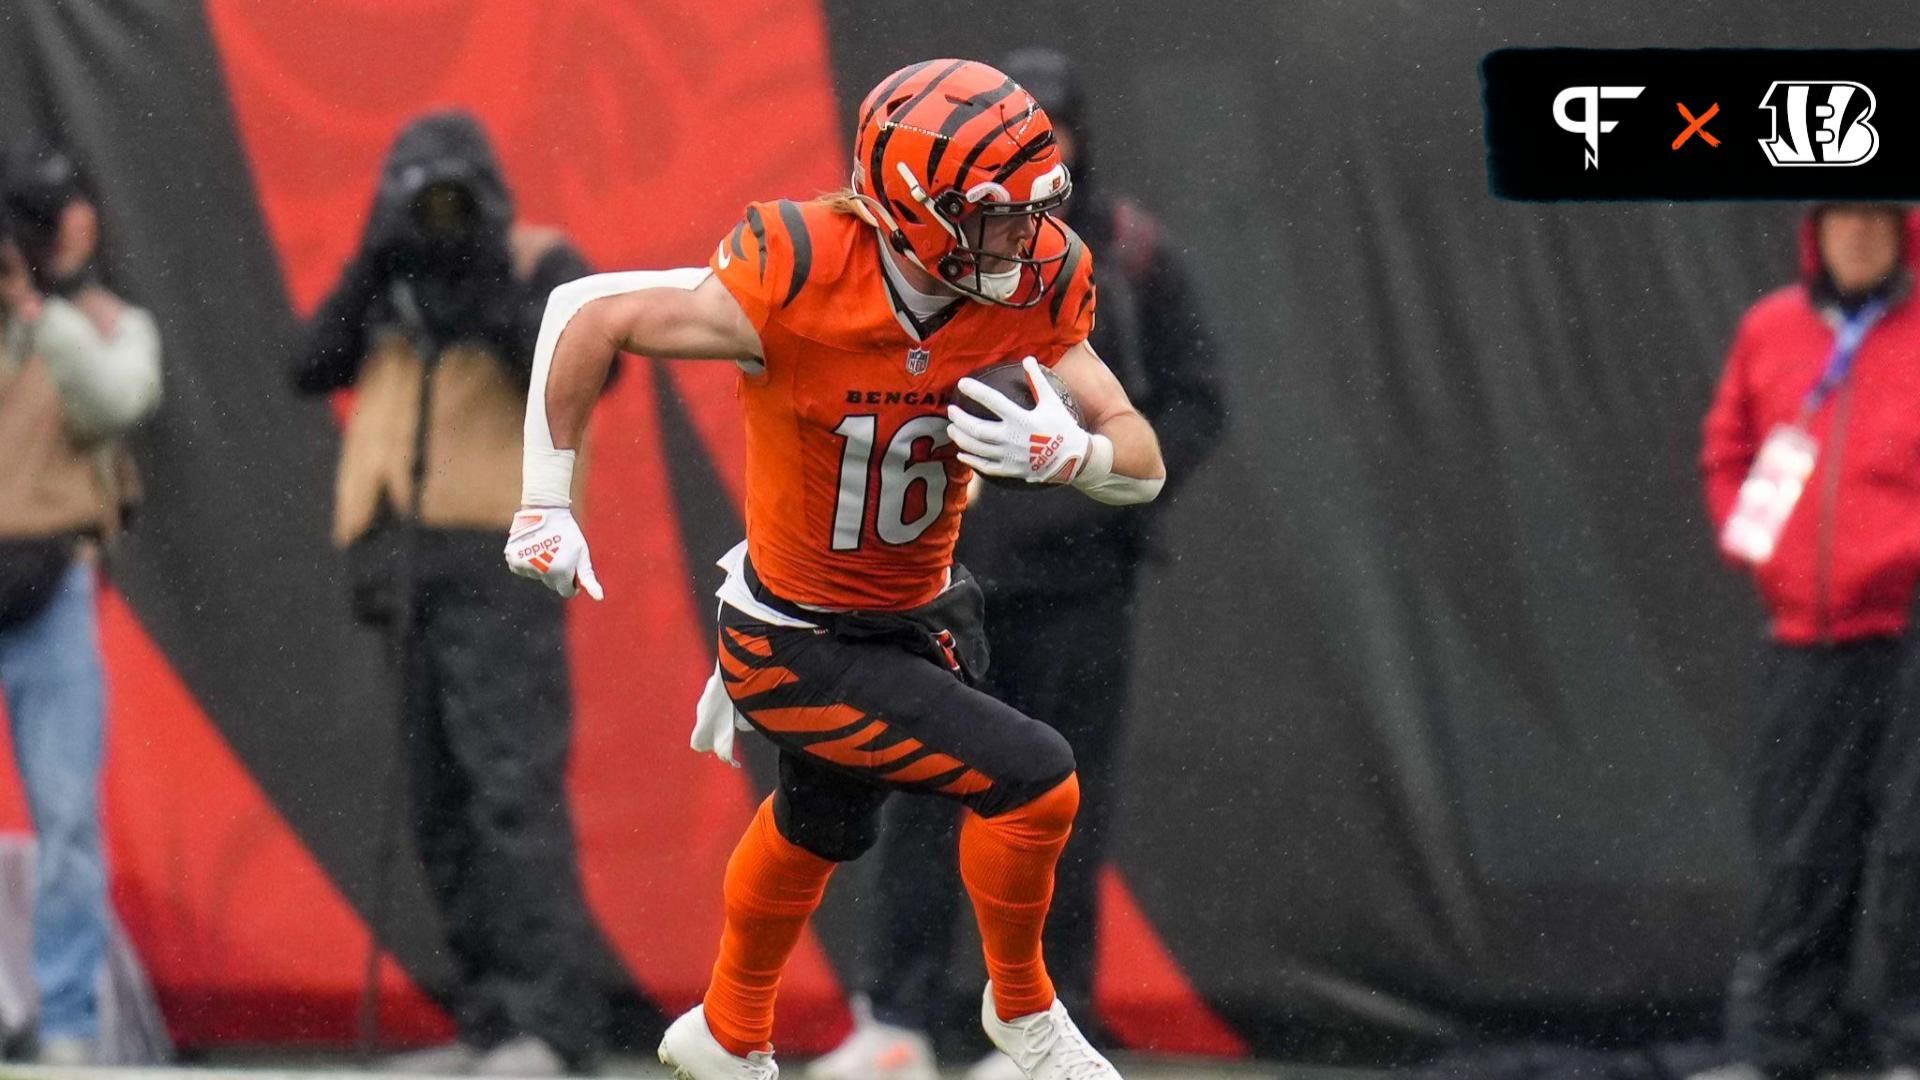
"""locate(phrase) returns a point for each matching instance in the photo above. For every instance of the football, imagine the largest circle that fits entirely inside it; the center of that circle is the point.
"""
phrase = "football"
(1010, 378)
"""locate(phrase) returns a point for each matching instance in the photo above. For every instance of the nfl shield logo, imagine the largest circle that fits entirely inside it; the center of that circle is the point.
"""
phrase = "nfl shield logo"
(917, 361)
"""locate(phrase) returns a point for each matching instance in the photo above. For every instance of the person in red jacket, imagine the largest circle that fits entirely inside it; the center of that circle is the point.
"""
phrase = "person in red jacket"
(1812, 468)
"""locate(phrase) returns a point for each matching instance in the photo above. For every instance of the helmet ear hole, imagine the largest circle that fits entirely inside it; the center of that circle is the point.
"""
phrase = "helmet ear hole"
(953, 268)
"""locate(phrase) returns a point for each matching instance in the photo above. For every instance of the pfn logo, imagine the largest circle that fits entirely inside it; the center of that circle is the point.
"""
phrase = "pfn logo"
(1589, 124)
(1826, 124)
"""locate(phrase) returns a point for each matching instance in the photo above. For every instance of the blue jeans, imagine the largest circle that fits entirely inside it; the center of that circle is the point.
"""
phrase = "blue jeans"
(56, 701)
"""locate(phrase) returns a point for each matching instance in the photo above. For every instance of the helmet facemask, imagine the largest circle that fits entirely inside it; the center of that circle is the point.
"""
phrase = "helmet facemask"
(1014, 278)
(949, 153)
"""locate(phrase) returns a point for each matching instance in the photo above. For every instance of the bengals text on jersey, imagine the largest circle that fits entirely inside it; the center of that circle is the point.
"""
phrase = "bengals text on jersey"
(853, 493)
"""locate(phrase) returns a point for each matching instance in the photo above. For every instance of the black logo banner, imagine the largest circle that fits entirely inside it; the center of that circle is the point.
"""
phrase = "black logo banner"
(1703, 123)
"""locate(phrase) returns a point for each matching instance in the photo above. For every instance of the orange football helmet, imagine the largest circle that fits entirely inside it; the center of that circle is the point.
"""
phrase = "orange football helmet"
(945, 147)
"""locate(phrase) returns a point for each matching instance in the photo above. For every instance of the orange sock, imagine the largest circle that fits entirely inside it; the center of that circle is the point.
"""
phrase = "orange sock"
(771, 890)
(1007, 864)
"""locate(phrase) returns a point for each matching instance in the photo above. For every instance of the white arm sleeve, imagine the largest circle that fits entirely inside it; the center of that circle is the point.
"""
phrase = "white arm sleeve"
(107, 384)
(546, 474)
(1100, 483)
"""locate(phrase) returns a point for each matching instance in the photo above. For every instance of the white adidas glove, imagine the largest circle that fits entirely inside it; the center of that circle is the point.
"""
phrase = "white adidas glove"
(546, 544)
(1041, 445)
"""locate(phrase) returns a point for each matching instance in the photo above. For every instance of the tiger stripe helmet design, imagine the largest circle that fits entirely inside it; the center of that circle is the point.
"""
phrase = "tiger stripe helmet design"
(942, 147)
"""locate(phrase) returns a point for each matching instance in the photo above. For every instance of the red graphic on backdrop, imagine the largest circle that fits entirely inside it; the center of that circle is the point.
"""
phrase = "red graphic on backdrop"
(641, 131)
(187, 882)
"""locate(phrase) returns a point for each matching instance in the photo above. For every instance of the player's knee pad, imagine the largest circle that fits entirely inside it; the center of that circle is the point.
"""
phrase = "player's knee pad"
(842, 836)
(1042, 819)
(1038, 759)
(1053, 810)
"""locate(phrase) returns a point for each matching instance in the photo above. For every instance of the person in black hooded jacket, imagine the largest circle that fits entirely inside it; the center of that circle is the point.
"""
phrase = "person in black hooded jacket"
(435, 316)
(1053, 570)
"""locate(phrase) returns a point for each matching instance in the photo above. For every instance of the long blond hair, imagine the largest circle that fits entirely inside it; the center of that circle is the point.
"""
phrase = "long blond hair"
(848, 201)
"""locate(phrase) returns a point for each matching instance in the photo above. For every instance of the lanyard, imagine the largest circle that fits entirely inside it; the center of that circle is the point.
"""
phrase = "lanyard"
(1846, 346)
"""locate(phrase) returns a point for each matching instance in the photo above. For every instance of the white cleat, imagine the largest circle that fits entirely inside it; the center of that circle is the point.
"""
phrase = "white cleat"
(691, 1051)
(877, 1051)
(1045, 1045)
(995, 1066)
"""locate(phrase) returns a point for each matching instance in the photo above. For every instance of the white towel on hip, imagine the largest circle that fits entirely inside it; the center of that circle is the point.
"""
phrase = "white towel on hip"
(715, 720)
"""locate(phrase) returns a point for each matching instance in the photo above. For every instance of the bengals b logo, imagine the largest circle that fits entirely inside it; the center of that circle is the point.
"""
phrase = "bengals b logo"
(1820, 123)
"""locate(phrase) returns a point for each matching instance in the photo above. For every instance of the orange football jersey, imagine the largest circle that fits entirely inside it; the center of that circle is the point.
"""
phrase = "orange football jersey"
(853, 491)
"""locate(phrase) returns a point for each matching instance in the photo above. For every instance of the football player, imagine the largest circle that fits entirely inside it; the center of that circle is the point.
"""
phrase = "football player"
(848, 636)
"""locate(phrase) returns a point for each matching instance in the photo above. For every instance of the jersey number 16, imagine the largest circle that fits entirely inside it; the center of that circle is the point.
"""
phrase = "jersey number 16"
(899, 473)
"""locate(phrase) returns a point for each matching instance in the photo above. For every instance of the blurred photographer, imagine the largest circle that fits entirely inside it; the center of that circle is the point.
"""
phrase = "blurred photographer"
(434, 317)
(79, 367)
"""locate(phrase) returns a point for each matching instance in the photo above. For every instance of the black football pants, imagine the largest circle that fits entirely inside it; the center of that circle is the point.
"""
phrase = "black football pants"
(1062, 660)
(1835, 787)
(489, 728)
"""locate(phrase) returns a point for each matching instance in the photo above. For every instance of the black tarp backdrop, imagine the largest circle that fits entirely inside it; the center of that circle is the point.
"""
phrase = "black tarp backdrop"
(230, 568)
(239, 471)
(1439, 709)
